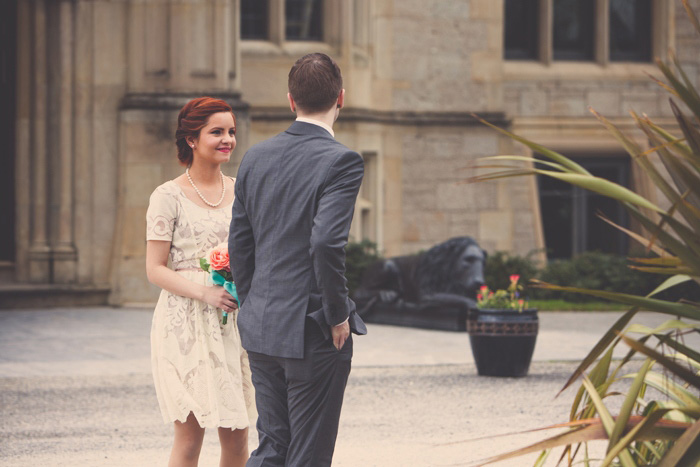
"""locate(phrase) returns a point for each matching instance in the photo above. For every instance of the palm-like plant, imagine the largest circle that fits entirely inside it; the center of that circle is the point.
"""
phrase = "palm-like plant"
(662, 431)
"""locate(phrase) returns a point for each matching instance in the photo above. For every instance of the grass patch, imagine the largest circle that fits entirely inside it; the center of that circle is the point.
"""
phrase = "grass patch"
(563, 305)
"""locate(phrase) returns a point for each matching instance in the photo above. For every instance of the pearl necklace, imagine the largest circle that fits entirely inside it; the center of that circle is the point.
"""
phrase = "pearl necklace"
(223, 189)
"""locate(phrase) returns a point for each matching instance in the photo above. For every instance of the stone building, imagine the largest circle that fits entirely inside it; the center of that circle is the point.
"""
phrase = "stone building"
(91, 89)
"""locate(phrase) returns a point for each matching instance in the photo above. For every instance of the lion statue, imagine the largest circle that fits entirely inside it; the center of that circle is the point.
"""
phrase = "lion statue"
(426, 289)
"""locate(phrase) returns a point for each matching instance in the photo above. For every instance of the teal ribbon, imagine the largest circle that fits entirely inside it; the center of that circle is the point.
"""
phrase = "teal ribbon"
(230, 287)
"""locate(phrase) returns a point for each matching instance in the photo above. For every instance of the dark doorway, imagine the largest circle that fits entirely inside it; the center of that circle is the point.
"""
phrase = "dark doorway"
(570, 214)
(8, 77)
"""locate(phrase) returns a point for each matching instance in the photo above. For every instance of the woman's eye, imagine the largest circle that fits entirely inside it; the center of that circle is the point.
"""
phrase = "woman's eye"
(232, 132)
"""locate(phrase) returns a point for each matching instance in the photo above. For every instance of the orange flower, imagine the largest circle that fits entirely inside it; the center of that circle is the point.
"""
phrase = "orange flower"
(218, 258)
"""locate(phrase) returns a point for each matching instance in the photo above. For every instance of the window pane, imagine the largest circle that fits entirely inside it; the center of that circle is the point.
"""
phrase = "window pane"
(521, 29)
(254, 20)
(570, 214)
(304, 20)
(574, 29)
(630, 30)
(557, 205)
(601, 236)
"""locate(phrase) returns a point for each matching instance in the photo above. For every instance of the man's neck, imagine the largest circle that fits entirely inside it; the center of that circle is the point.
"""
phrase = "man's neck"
(318, 123)
(328, 117)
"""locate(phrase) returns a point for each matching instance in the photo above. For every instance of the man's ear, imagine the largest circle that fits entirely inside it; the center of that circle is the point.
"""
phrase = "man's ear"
(341, 99)
(292, 104)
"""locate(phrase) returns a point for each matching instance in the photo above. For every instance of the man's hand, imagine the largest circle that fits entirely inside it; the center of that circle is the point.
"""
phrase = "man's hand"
(340, 334)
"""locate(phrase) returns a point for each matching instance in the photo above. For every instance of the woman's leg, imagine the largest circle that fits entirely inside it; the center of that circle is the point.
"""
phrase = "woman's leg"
(234, 447)
(187, 444)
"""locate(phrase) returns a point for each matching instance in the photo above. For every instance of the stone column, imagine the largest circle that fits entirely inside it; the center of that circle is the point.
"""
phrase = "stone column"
(39, 257)
(45, 129)
(64, 250)
(83, 119)
(23, 169)
(346, 21)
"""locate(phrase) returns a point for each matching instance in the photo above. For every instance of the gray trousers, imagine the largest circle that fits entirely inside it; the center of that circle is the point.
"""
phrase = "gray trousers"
(299, 402)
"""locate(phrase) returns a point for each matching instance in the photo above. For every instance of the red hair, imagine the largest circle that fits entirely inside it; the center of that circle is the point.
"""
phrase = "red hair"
(193, 117)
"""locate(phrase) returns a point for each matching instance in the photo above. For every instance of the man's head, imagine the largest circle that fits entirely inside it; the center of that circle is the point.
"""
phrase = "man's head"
(315, 84)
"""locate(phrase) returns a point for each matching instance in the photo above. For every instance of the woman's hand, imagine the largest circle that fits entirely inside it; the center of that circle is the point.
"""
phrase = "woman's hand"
(217, 296)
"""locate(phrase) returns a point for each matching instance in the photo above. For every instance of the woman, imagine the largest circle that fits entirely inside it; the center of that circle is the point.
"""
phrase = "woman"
(200, 370)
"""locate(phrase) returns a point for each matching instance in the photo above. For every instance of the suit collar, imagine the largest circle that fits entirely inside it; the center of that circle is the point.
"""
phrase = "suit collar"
(304, 128)
(317, 122)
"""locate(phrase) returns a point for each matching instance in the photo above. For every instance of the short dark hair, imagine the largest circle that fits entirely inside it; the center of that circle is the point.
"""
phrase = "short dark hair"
(315, 82)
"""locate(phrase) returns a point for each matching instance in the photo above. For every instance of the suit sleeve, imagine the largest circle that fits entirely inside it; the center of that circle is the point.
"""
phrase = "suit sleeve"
(241, 245)
(329, 234)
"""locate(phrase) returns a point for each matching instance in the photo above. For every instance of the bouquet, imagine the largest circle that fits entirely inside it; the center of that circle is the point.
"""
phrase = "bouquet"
(218, 266)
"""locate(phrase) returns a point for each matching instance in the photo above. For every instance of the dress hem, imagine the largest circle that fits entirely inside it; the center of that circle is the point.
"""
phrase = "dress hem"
(232, 426)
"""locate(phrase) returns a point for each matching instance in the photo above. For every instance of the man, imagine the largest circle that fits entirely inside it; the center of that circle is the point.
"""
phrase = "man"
(295, 197)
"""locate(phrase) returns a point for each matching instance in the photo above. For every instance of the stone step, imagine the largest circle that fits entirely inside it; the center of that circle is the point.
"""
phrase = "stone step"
(23, 295)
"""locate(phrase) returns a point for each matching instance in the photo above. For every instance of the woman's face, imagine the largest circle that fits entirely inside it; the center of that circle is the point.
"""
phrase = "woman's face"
(216, 140)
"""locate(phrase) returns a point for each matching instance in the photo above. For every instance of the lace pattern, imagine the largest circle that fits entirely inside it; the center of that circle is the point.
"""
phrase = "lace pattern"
(198, 364)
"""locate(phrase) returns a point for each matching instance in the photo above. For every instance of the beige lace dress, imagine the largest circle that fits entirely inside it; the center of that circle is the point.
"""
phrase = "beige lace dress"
(198, 363)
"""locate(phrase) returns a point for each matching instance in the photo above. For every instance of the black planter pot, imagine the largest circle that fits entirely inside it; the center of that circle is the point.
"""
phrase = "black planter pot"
(503, 341)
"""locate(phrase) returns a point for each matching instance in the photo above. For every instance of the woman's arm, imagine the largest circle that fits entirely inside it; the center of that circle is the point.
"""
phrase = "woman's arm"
(161, 275)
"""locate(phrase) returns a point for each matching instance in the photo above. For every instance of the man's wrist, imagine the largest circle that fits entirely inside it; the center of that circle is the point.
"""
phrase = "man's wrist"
(340, 324)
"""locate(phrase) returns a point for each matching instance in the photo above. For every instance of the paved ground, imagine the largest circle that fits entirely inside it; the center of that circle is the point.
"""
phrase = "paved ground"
(76, 390)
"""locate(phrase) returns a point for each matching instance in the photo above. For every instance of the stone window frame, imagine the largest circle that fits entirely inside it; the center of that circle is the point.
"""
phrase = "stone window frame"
(345, 25)
(367, 220)
(601, 65)
(277, 27)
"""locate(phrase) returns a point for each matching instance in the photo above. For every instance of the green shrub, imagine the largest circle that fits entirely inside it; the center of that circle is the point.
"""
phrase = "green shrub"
(590, 270)
(501, 265)
(358, 256)
(595, 270)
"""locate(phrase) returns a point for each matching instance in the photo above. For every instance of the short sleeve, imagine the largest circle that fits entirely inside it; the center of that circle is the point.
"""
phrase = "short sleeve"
(161, 215)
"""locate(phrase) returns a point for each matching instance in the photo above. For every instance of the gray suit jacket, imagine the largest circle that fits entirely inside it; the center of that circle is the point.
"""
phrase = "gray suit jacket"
(295, 197)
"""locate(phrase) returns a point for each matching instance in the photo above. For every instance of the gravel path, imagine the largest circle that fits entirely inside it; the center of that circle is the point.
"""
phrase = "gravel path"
(76, 390)
(400, 416)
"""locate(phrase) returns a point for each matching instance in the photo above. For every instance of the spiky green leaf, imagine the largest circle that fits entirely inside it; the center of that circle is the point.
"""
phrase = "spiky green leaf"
(666, 362)
(628, 405)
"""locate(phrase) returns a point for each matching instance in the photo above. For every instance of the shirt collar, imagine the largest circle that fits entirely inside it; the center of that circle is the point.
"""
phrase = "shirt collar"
(317, 122)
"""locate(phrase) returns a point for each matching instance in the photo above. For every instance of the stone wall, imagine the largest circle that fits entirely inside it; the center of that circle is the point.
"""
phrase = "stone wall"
(445, 55)
(105, 80)
(438, 203)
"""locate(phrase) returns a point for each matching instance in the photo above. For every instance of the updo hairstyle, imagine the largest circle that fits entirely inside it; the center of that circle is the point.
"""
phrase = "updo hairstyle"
(193, 117)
